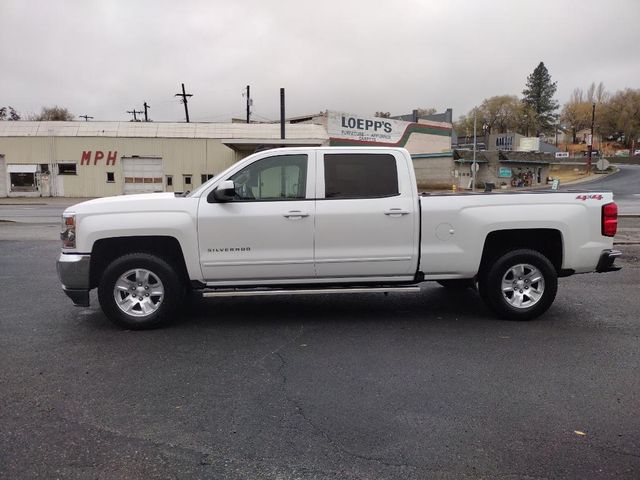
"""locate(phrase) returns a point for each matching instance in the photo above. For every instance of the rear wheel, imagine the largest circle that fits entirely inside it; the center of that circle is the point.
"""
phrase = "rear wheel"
(140, 291)
(519, 285)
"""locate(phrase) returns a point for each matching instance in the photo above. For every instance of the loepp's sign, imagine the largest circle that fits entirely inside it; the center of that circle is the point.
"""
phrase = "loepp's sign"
(365, 129)
(97, 156)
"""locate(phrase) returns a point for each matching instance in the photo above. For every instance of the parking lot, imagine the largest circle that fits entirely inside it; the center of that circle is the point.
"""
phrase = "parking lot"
(363, 386)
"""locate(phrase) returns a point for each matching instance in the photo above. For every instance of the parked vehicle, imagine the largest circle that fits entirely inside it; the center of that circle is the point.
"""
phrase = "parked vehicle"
(328, 220)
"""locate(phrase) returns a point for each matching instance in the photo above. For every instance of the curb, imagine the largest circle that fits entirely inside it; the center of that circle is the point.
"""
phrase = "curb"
(24, 203)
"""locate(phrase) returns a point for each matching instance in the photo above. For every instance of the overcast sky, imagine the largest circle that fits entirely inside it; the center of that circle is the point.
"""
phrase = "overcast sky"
(103, 58)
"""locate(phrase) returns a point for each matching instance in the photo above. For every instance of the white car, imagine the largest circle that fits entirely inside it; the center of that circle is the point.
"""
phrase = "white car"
(328, 220)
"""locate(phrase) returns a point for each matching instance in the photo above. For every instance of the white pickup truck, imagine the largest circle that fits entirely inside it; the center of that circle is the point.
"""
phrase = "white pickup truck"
(328, 220)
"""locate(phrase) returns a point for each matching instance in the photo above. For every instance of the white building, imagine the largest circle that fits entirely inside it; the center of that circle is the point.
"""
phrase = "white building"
(94, 159)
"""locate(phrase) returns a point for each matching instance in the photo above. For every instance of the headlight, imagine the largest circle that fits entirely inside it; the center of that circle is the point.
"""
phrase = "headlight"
(68, 234)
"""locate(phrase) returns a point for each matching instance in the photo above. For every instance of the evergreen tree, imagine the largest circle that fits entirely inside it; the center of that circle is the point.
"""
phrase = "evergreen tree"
(538, 97)
(13, 115)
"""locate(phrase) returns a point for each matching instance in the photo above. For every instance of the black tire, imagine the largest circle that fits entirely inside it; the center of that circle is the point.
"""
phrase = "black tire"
(535, 298)
(457, 284)
(151, 311)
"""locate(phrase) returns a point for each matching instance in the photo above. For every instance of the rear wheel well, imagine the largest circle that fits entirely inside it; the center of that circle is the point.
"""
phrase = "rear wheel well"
(108, 249)
(546, 241)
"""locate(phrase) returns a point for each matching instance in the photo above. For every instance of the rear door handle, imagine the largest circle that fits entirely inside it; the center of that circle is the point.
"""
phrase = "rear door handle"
(396, 212)
(295, 214)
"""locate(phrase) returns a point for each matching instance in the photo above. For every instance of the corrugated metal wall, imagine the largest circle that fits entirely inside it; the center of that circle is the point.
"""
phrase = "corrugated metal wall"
(181, 156)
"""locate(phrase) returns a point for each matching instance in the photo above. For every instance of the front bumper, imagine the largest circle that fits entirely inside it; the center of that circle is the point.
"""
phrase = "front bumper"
(607, 257)
(73, 272)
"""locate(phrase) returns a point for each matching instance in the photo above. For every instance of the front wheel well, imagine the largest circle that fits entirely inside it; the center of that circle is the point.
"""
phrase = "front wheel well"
(106, 250)
(544, 240)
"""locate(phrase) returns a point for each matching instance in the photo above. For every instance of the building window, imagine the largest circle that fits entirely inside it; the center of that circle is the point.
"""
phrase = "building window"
(23, 182)
(169, 180)
(111, 177)
(67, 169)
(205, 176)
(187, 180)
(360, 175)
(44, 168)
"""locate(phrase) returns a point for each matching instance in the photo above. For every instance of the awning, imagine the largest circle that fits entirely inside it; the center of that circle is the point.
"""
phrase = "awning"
(524, 162)
(254, 144)
(21, 168)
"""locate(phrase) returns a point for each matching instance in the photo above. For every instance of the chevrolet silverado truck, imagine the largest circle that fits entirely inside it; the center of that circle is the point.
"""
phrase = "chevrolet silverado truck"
(328, 220)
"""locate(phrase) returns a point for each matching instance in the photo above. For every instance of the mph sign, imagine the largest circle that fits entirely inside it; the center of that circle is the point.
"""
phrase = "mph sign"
(347, 126)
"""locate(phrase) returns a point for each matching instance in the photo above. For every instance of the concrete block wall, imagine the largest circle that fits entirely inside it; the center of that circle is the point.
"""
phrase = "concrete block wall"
(434, 173)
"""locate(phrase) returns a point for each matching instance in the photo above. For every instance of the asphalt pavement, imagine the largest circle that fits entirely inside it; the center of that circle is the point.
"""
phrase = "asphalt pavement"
(356, 387)
(352, 387)
(625, 185)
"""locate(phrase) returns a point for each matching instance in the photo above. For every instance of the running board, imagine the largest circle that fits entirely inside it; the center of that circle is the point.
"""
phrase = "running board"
(307, 291)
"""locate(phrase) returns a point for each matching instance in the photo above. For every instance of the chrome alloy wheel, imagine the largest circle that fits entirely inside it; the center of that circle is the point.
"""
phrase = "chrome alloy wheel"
(522, 285)
(138, 292)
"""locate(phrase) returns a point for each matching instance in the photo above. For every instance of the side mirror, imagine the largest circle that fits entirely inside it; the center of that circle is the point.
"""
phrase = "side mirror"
(225, 192)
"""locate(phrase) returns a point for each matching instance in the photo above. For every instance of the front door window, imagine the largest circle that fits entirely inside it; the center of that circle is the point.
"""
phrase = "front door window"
(283, 177)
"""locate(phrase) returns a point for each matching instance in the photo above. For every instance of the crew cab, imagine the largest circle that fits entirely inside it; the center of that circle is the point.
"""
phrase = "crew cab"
(328, 220)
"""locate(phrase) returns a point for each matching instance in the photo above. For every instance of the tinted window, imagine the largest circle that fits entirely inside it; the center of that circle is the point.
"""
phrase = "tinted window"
(360, 175)
(282, 177)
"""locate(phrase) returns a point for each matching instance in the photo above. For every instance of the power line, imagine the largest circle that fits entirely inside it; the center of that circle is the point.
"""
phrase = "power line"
(134, 112)
(184, 96)
(86, 117)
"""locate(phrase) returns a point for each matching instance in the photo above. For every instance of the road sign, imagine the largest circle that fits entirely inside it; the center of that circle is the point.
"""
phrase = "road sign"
(562, 154)
(589, 139)
(602, 164)
(474, 166)
(555, 184)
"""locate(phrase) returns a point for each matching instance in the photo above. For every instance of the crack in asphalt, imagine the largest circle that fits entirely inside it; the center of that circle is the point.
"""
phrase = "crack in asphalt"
(334, 444)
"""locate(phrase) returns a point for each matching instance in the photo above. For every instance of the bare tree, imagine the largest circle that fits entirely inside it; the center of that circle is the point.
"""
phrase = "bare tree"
(425, 112)
(620, 116)
(576, 113)
(53, 114)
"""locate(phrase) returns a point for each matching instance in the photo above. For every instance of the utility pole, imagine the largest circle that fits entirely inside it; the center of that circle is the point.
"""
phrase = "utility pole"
(282, 113)
(184, 96)
(590, 145)
(248, 104)
(86, 117)
(134, 112)
(474, 164)
(146, 118)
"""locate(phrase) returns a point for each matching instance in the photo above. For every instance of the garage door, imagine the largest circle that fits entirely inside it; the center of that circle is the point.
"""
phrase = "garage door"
(142, 175)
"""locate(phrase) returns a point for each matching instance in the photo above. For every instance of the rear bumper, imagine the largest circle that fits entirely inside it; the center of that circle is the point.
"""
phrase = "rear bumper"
(73, 272)
(607, 259)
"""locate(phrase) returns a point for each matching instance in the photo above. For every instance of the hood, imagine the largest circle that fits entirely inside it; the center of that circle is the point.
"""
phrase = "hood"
(142, 201)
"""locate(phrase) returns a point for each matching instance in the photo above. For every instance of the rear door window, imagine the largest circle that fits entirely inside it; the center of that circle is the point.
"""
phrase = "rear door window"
(360, 175)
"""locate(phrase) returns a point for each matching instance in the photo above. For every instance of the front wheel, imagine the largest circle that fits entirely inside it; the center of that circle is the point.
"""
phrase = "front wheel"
(140, 291)
(519, 285)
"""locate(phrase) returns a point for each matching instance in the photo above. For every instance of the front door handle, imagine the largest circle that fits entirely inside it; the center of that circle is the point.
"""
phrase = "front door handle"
(396, 212)
(295, 214)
